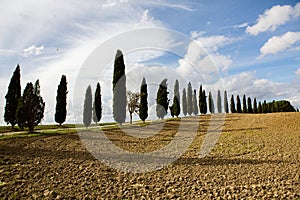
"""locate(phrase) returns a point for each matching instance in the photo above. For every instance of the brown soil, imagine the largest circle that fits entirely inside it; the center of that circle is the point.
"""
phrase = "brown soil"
(257, 157)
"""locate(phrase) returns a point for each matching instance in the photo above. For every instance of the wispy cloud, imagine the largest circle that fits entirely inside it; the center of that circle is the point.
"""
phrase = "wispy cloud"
(33, 50)
(280, 43)
(272, 18)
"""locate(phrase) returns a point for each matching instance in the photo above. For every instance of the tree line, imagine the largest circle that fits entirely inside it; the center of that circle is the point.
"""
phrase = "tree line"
(27, 110)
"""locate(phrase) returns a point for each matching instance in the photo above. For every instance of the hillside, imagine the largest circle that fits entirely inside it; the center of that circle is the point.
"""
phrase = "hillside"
(256, 156)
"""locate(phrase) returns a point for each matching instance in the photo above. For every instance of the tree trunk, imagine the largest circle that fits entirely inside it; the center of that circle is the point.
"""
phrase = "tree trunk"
(130, 117)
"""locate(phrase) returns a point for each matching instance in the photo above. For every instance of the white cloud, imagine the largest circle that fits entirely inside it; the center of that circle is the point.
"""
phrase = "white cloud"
(298, 72)
(242, 25)
(272, 18)
(33, 50)
(280, 43)
(112, 3)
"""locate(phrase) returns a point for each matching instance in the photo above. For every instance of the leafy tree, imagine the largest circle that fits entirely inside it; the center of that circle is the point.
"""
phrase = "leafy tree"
(250, 110)
(119, 89)
(133, 103)
(264, 107)
(97, 105)
(232, 105)
(12, 98)
(219, 104)
(61, 101)
(226, 109)
(204, 103)
(244, 104)
(189, 99)
(255, 106)
(195, 106)
(259, 109)
(211, 103)
(176, 100)
(238, 104)
(143, 111)
(88, 107)
(284, 106)
(162, 101)
(200, 99)
(184, 103)
(30, 111)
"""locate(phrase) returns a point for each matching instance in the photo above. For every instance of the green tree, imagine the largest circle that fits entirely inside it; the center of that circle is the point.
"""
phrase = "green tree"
(162, 101)
(88, 107)
(204, 103)
(200, 99)
(250, 110)
(30, 111)
(232, 105)
(195, 106)
(226, 109)
(143, 111)
(238, 104)
(264, 107)
(189, 99)
(61, 101)
(211, 103)
(176, 100)
(244, 104)
(255, 106)
(12, 98)
(219, 103)
(184, 103)
(97, 105)
(259, 109)
(119, 89)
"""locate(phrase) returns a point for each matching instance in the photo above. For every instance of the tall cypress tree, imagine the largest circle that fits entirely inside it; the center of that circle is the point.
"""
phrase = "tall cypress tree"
(176, 99)
(226, 109)
(254, 106)
(200, 99)
(244, 104)
(184, 103)
(250, 110)
(219, 104)
(232, 105)
(211, 103)
(238, 104)
(195, 106)
(259, 109)
(162, 101)
(39, 104)
(12, 98)
(61, 101)
(97, 105)
(119, 89)
(189, 99)
(88, 107)
(204, 102)
(143, 112)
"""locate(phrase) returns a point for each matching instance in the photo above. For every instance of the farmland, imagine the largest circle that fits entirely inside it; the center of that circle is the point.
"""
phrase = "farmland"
(257, 156)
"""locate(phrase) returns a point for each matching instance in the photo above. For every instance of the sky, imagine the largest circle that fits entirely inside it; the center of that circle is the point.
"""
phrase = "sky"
(246, 47)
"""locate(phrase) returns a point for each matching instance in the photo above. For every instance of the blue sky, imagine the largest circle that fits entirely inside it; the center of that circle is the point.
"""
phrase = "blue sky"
(253, 46)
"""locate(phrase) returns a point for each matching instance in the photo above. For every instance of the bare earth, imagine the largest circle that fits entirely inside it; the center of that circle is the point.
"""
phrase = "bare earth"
(256, 157)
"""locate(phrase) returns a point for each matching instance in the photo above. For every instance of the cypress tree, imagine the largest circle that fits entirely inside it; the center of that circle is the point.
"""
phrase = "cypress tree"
(244, 104)
(119, 89)
(184, 106)
(219, 104)
(195, 106)
(189, 99)
(176, 100)
(264, 107)
(88, 107)
(12, 98)
(211, 103)
(226, 109)
(204, 103)
(254, 106)
(61, 101)
(232, 105)
(200, 99)
(97, 105)
(143, 112)
(30, 111)
(259, 109)
(238, 104)
(250, 110)
(162, 101)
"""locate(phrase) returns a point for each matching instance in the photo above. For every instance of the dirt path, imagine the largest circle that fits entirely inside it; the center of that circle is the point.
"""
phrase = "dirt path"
(256, 157)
